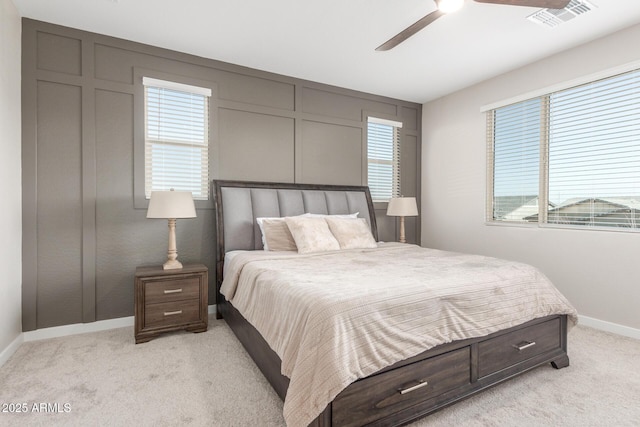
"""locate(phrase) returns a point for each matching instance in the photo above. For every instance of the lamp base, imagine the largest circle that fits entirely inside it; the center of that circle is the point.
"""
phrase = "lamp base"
(172, 255)
(402, 236)
(172, 264)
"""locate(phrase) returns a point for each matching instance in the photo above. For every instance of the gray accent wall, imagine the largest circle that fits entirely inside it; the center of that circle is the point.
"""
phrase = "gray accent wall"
(11, 211)
(85, 228)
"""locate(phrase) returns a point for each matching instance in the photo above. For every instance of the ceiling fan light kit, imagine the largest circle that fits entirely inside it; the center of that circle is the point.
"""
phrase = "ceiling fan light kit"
(448, 6)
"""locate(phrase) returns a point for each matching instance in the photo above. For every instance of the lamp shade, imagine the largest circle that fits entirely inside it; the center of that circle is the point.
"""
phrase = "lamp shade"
(402, 206)
(171, 204)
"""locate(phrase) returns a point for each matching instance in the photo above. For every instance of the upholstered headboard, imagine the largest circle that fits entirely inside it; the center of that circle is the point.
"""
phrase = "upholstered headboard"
(239, 203)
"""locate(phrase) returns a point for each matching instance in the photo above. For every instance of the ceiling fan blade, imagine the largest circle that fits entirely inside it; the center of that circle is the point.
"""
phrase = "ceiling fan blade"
(409, 31)
(545, 4)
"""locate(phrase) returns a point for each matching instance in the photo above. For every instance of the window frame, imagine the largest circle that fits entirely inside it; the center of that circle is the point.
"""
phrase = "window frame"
(544, 153)
(139, 198)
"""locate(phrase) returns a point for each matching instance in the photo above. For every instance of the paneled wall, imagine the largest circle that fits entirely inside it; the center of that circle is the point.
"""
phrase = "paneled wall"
(84, 225)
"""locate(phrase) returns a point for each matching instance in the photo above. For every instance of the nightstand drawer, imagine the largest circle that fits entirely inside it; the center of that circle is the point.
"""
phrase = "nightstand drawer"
(161, 291)
(514, 347)
(172, 313)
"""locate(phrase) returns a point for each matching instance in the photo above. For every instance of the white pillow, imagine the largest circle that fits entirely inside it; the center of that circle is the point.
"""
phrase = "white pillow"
(275, 234)
(352, 233)
(312, 234)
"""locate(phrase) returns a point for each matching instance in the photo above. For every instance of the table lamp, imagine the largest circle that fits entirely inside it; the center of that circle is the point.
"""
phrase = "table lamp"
(402, 206)
(171, 205)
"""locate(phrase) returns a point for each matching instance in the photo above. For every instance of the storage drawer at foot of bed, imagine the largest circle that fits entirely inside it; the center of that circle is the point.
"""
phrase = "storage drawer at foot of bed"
(375, 397)
(514, 347)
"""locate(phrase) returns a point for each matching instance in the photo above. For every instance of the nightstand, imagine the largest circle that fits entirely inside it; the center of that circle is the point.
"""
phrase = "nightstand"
(170, 300)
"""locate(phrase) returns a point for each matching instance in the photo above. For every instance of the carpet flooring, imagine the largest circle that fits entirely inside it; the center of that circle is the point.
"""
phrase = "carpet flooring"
(207, 379)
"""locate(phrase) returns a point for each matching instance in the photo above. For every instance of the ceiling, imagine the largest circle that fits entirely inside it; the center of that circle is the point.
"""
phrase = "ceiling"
(333, 41)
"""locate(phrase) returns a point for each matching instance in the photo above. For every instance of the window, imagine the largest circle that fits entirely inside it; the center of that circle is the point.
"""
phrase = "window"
(570, 157)
(176, 138)
(383, 158)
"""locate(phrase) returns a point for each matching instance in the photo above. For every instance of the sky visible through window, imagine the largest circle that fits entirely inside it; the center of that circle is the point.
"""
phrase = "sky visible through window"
(594, 150)
(517, 149)
(175, 116)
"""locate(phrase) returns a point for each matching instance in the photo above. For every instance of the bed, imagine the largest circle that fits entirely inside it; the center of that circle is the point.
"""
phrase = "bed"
(411, 375)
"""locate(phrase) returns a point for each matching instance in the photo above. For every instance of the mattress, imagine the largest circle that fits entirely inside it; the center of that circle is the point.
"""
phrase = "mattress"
(333, 317)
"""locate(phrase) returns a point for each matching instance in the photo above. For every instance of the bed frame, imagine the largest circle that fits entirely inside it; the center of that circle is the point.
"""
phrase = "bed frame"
(409, 389)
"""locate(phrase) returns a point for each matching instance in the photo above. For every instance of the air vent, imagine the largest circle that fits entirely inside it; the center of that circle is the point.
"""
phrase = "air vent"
(554, 17)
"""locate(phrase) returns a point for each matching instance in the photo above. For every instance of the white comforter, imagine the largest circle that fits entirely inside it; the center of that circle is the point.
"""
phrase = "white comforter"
(334, 317)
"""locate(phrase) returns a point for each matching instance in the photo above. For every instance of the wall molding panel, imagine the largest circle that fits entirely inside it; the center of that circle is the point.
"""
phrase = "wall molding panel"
(84, 221)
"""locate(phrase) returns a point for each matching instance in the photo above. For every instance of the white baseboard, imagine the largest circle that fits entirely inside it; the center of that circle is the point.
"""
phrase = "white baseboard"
(11, 348)
(77, 328)
(603, 325)
(83, 328)
(122, 322)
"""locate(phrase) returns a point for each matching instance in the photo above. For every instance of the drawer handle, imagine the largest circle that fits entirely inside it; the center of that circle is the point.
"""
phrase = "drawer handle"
(523, 345)
(421, 383)
(172, 291)
(172, 313)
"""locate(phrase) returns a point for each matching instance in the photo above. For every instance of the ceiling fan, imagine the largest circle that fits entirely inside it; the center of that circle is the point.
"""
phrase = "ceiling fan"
(448, 6)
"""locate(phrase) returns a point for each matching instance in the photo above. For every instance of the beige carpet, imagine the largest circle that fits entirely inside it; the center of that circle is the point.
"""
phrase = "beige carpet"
(207, 379)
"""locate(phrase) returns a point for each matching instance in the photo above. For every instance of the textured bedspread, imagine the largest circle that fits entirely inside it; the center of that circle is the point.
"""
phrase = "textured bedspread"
(334, 317)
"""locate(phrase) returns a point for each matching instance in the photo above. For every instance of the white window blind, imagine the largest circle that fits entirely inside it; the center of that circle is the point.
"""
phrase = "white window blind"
(589, 142)
(515, 153)
(594, 153)
(383, 154)
(176, 138)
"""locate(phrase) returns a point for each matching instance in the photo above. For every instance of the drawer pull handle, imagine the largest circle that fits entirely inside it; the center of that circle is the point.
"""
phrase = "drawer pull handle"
(421, 383)
(523, 345)
(172, 291)
(172, 313)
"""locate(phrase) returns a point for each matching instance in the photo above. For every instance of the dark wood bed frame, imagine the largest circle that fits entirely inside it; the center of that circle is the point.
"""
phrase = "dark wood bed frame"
(414, 387)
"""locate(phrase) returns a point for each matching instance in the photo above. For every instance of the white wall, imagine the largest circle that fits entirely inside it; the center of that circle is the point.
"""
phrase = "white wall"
(599, 272)
(10, 178)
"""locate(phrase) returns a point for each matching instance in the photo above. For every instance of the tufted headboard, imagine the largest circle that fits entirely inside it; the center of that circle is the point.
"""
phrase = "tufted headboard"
(239, 203)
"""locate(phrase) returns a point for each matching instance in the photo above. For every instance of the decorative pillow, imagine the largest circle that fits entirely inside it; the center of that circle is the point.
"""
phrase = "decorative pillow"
(276, 235)
(352, 233)
(311, 234)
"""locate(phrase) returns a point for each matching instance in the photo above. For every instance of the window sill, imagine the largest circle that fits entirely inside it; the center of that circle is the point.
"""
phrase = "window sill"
(563, 227)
